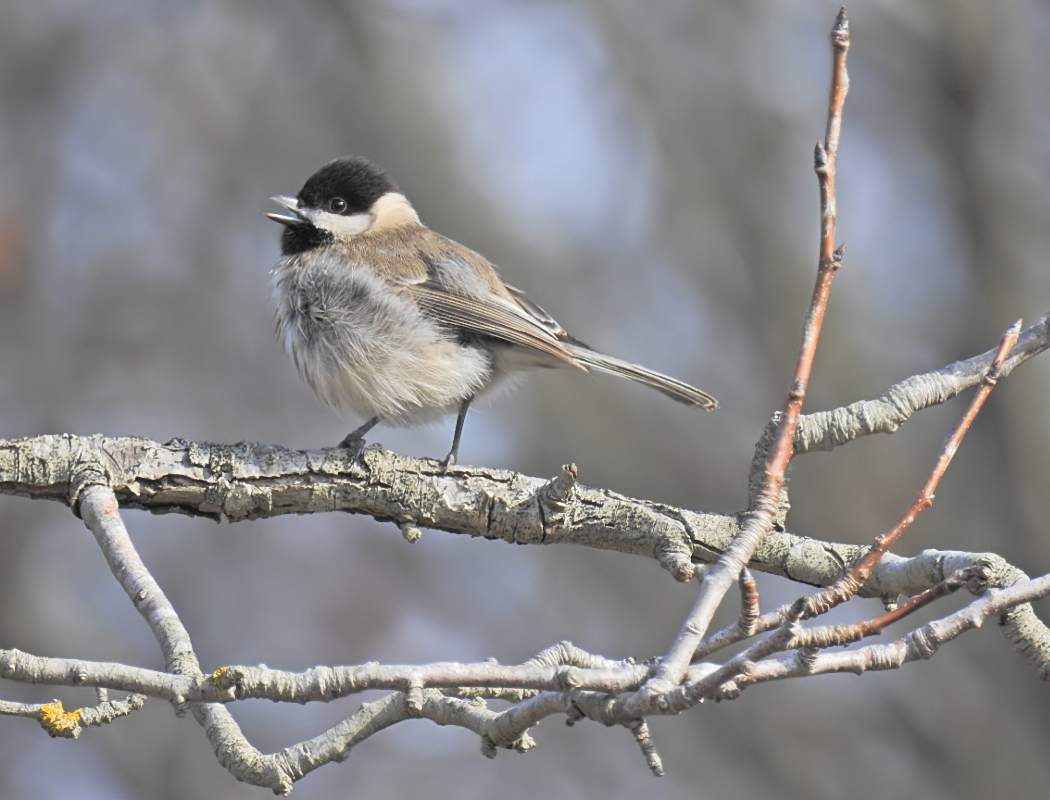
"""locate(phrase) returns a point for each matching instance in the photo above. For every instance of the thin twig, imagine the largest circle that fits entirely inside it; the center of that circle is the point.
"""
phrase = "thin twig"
(847, 586)
(762, 514)
(319, 684)
(840, 635)
(101, 514)
(694, 691)
(732, 633)
(59, 723)
(749, 610)
(509, 728)
(826, 430)
(911, 576)
(640, 730)
(920, 644)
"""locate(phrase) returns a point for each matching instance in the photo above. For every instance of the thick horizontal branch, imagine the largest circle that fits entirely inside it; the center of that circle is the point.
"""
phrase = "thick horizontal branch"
(247, 481)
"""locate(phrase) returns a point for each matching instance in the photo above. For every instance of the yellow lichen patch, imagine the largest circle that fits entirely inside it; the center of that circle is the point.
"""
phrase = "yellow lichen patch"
(216, 677)
(58, 722)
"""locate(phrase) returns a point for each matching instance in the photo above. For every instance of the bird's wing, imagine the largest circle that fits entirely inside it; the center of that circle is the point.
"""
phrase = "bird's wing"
(457, 286)
(541, 316)
(492, 316)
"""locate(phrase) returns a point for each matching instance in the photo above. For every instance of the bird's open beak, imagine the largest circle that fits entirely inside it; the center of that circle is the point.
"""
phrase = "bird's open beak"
(294, 217)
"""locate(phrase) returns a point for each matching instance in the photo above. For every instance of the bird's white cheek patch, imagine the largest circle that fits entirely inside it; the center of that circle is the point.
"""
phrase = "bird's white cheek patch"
(342, 226)
(393, 209)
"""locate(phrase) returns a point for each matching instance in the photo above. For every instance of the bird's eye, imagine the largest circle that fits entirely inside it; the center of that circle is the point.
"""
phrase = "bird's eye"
(337, 205)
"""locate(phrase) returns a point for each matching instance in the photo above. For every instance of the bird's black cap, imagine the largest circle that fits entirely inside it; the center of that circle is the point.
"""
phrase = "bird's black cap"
(356, 180)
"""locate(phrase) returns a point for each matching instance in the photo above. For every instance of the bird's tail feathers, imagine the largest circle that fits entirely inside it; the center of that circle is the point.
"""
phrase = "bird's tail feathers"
(673, 388)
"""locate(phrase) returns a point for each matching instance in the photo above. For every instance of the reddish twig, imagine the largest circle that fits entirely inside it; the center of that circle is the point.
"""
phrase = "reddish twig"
(761, 515)
(846, 586)
(920, 644)
(838, 635)
(749, 610)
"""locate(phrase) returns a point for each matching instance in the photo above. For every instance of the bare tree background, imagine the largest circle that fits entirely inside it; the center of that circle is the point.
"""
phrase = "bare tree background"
(626, 164)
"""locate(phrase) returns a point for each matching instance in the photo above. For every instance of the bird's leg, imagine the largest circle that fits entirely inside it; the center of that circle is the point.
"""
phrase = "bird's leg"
(450, 459)
(355, 440)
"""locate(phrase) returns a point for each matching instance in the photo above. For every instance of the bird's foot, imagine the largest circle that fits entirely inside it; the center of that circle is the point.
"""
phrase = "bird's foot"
(355, 440)
(355, 443)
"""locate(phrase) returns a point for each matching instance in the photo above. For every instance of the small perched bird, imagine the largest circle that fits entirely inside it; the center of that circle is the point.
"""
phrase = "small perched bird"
(388, 318)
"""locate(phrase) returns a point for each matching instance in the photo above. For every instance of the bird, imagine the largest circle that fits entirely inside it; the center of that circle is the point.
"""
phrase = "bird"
(401, 325)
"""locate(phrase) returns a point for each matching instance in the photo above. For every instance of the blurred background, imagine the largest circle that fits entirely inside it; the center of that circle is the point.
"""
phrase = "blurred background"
(644, 171)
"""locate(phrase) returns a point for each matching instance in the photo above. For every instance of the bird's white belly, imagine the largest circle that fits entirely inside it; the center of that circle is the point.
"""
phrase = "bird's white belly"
(361, 345)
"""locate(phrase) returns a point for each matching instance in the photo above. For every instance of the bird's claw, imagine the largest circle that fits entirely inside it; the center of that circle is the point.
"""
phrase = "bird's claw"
(355, 443)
